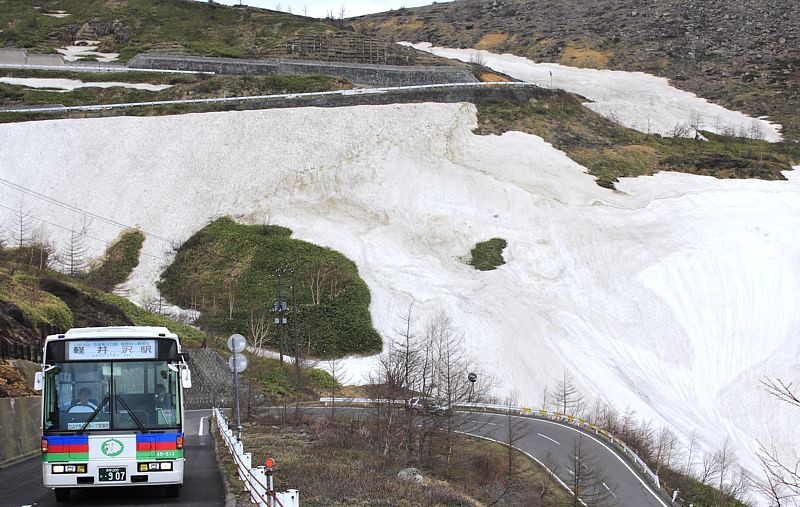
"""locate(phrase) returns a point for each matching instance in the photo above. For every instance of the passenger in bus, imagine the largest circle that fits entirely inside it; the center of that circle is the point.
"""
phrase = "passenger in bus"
(83, 404)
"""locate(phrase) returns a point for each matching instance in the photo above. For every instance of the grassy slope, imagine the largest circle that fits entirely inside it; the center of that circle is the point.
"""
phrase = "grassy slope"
(135, 26)
(228, 259)
(610, 151)
(119, 261)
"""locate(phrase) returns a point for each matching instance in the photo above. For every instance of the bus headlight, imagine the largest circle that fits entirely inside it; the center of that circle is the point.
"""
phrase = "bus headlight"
(69, 469)
(155, 466)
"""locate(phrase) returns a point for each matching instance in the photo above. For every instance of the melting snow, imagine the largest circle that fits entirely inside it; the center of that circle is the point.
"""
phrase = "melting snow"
(71, 84)
(86, 48)
(637, 100)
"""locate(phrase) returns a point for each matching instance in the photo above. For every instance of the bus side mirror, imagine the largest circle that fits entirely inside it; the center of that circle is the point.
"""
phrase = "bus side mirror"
(38, 381)
(186, 378)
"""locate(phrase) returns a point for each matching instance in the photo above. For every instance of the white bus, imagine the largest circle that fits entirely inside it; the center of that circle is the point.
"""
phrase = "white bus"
(112, 409)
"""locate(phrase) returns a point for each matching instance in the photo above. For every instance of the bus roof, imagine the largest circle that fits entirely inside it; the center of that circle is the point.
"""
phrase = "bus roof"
(84, 333)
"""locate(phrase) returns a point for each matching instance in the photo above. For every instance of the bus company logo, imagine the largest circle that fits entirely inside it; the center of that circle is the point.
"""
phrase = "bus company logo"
(112, 448)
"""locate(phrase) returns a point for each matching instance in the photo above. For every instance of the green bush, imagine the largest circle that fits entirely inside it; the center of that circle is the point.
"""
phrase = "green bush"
(321, 379)
(487, 255)
(228, 272)
(118, 262)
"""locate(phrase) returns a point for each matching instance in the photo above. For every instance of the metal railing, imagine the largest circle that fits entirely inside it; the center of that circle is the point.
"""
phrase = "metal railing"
(257, 481)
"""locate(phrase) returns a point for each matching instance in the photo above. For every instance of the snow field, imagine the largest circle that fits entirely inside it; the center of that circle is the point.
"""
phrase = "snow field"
(636, 100)
(672, 296)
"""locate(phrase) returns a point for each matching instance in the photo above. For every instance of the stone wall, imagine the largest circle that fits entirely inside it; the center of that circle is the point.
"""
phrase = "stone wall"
(375, 75)
(212, 383)
(20, 420)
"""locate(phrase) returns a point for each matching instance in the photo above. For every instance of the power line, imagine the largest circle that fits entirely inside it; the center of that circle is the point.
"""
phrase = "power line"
(115, 223)
(76, 209)
(106, 243)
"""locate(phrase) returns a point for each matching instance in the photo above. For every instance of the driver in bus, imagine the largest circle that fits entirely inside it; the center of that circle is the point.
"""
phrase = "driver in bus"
(83, 404)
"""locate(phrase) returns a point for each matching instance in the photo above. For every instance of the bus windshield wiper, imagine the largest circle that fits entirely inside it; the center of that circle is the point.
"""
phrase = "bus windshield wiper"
(94, 414)
(131, 413)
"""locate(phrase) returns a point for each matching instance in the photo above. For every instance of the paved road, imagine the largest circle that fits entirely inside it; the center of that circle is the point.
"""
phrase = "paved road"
(222, 100)
(22, 483)
(554, 445)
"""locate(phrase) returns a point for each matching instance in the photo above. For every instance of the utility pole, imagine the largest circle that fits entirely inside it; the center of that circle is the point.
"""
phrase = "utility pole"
(279, 307)
(295, 321)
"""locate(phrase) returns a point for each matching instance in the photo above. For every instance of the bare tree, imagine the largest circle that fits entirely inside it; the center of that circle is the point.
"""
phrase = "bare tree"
(73, 256)
(709, 467)
(259, 324)
(781, 482)
(22, 227)
(782, 478)
(664, 449)
(566, 398)
(690, 455)
(338, 380)
(588, 484)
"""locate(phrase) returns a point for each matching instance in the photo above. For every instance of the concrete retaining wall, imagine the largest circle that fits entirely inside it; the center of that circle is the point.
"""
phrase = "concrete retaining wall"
(376, 75)
(20, 433)
(14, 56)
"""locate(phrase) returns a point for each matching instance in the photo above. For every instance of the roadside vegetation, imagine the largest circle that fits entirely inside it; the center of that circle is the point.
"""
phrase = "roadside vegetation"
(488, 255)
(229, 272)
(338, 461)
(610, 151)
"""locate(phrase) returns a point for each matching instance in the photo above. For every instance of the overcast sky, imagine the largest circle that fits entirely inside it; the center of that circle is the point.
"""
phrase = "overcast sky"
(321, 8)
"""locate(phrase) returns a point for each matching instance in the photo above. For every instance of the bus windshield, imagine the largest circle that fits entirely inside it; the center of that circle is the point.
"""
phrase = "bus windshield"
(111, 395)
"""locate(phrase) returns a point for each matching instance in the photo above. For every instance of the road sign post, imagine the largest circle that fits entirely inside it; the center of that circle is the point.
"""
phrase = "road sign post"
(237, 363)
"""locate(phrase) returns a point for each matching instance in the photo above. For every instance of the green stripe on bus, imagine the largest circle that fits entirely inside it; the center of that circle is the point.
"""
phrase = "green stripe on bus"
(65, 456)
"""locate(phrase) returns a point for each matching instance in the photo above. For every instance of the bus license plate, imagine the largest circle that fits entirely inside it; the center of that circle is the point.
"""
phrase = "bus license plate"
(116, 474)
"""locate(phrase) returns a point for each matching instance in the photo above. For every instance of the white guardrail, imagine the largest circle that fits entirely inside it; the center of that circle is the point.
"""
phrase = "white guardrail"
(525, 411)
(257, 481)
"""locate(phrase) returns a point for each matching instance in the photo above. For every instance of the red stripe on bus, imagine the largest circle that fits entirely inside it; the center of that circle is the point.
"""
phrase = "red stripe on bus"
(68, 448)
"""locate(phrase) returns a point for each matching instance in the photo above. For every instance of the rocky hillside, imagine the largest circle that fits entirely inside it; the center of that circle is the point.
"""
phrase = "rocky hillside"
(744, 54)
(126, 28)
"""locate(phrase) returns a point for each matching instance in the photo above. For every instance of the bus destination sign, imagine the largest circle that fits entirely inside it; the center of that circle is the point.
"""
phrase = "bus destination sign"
(111, 350)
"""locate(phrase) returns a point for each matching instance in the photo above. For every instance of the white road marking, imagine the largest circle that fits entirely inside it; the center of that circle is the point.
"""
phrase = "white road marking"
(200, 432)
(550, 439)
(609, 490)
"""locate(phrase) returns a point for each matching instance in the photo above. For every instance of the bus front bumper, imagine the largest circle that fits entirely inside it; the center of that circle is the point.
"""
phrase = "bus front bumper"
(112, 473)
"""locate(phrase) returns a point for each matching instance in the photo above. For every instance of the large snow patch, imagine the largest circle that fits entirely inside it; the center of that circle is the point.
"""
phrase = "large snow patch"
(672, 296)
(636, 100)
